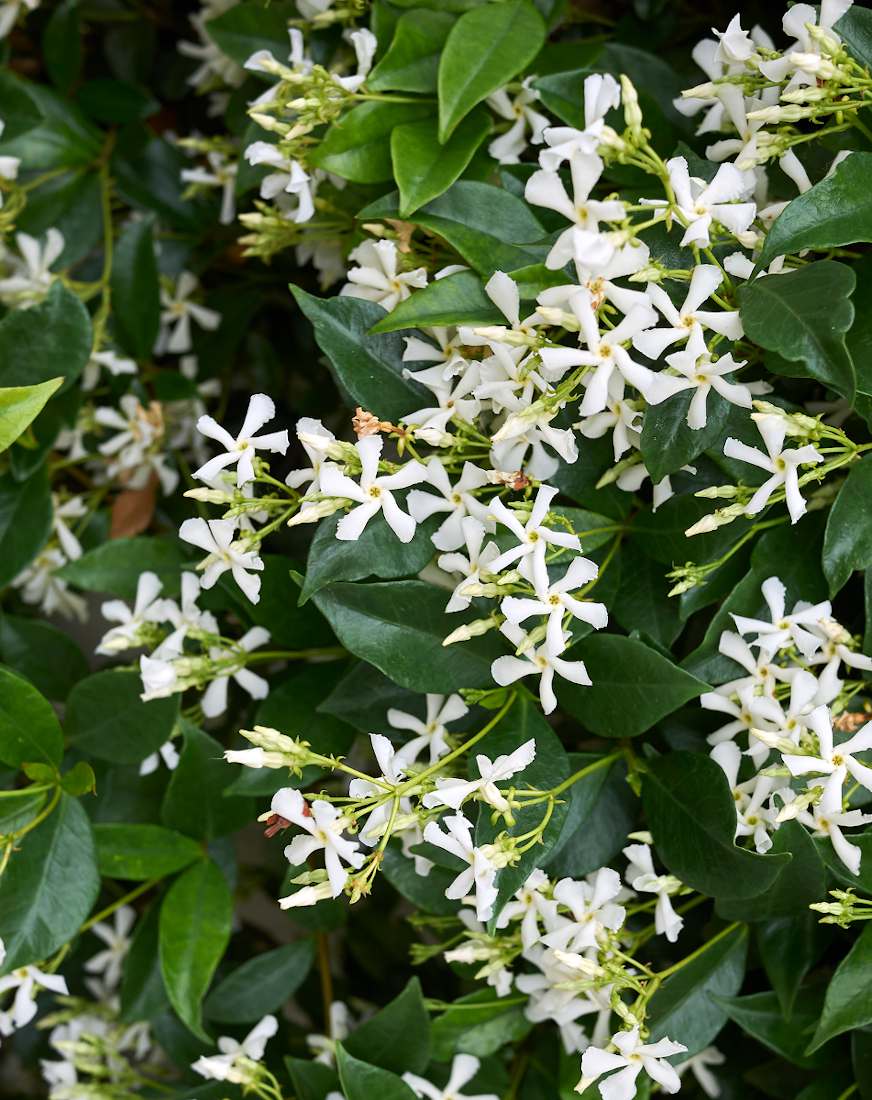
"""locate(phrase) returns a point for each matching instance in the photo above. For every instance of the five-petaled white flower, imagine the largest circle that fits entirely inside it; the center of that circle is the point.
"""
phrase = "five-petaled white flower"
(533, 537)
(26, 981)
(241, 450)
(463, 1068)
(631, 1057)
(782, 465)
(833, 761)
(698, 372)
(431, 732)
(642, 878)
(376, 277)
(457, 500)
(215, 536)
(479, 875)
(325, 825)
(543, 661)
(108, 962)
(233, 1064)
(452, 792)
(688, 317)
(178, 312)
(373, 494)
(557, 600)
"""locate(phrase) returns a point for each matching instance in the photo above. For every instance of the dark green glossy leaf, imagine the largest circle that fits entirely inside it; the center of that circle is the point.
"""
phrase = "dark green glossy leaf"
(789, 947)
(847, 1004)
(25, 521)
(29, 729)
(115, 566)
(457, 299)
(62, 45)
(643, 601)
(141, 852)
(142, 991)
(411, 61)
(478, 1024)
(194, 802)
(397, 1038)
(848, 538)
(759, 1015)
(135, 289)
(424, 169)
(362, 1082)
(30, 338)
(243, 29)
(261, 985)
(107, 718)
(358, 146)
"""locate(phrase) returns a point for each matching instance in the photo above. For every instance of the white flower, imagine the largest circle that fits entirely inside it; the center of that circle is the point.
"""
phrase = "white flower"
(699, 1066)
(315, 440)
(594, 909)
(784, 630)
(63, 510)
(829, 823)
(631, 1058)
(836, 762)
(167, 752)
(40, 585)
(221, 173)
(339, 1025)
(583, 241)
(215, 536)
(289, 178)
(365, 45)
(432, 733)
(452, 792)
(699, 205)
(457, 500)
(147, 608)
(517, 109)
(108, 963)
(186, 618)
(137, 448)
(602, 93)
(376, 277)
(531, 906)
(604, 351)
(641, 877)
(233, 1064)
(621, 416)
(477, 560)
(463, 1068)
(698, 372)
(32, 273)
(556, 600)
(480, 873)
(685, 319)
(105, 360)
(756, 814)
(214, 701)
(159, 679)
(533, 537)
(325, 826)
(27, 981)
(543, 661)
(178, 312)
(373, 494)
(782, 464)
(241, 450)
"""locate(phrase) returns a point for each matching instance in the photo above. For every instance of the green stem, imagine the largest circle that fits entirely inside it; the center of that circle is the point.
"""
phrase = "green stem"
(670, 970)
(132, 895)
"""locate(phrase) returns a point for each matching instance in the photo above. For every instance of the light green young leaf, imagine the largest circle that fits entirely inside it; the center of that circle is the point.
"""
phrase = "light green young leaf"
(411, 62)
(20, 406)
(358, 146)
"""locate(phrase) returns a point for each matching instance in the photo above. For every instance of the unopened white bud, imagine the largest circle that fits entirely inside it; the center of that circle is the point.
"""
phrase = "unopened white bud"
(311, 513)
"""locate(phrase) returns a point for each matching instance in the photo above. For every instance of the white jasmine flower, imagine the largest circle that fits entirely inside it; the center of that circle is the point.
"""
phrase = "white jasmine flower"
(533, 537)
(685, 319)
(544, 661)
(324, 825)
(177, 313)
(783, 630)
(604, 351)
(621, 416)
(457, 500)
(214, 701)
(641, 877)
(289, 178)
(783, 465)
(147, 608)
(836, 762)
(734, 44)
(234, 1063)
(699, 205)
(215, 536)
(62, 511)
(340, 1026)
(26, 982)
(108, 963)
(756, 815)
(373, 494)
(477, 560)
(376, 277)
(452, 792)
(555, 601)
(186, 618)
(699, 1066)
(699, 373)
(631, 1058)
(365, 44)
(432, 732)
(516, 108)
(593, 905)
(463, 1068)
(221, 173)
(532, 906)
(830, 823)
(602, 93)
(105, 360)
(241, 450)
(583, 241)
(480, 874)
(167, 752)
(32, 275)
(315, 440)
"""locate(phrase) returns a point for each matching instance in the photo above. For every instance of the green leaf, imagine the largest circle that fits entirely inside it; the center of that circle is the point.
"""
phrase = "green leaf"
(833, 212)
(457, 299)
(30, 338)
(362, 1082)
(848, 537)
(686, 1003)
(602, 809)
(194, 802)
(399, 627)
(478, 1024)
(411, 61)
(29, 729)
(135, 289)
(142, 991)
(633, 686)
(25, 521)
(62, 45)
(426, 892)
(485, 48)
(803, 315)
(368, 368)
(788, 948)
(643, 601)
(79, 780)
(861, 1059)
(549, 768)
(140, 852)
(862, 882)
(847, 1004)
(261, 985)
(195, 920)
(398, 1037)
(423, 168)
(358, 146)
(377, 553)
(692, 816)
(20, 406)
(855, 32)
(20, 110)
(107, 719)
(311, 1080)
(488, 226)
(245, 28)
(668, 443)
(49, 886)
(115, 566)
(759, 1015)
